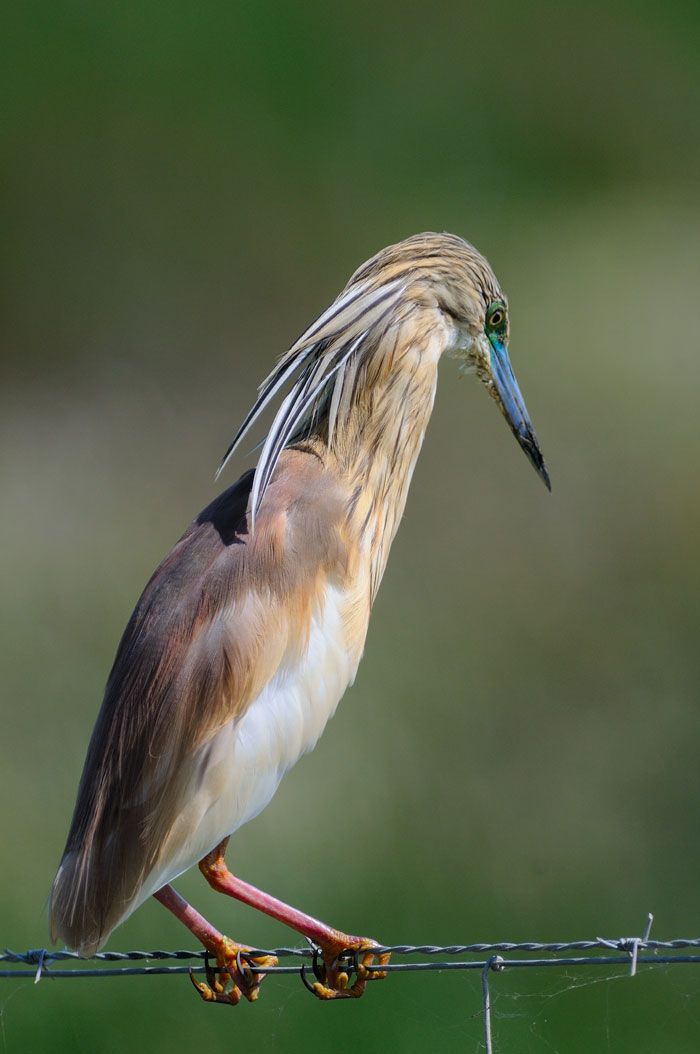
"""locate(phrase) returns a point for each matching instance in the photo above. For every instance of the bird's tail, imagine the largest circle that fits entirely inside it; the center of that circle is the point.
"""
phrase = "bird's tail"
(95, 889)
(72, 916)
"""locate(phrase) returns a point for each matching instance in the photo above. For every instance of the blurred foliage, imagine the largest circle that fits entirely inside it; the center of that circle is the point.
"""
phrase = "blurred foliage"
(186, 186)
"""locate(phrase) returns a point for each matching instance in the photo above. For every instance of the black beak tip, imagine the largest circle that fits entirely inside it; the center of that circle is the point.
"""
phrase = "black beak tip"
(534, 455)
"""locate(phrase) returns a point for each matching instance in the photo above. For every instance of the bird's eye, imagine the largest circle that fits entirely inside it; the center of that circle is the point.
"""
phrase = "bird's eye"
(496, 316)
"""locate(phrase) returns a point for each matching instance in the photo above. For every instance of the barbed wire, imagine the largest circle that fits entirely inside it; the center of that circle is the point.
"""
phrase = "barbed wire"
(626, 951)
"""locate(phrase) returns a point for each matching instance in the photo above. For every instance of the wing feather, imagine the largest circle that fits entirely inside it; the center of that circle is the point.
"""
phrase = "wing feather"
(209, 631)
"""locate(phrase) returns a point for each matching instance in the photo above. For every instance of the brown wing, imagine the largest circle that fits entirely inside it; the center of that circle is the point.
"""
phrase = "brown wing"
(207, 634)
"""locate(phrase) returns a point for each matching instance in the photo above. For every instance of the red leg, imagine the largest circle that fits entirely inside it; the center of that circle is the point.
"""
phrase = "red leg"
(228, 955)
(333, 943)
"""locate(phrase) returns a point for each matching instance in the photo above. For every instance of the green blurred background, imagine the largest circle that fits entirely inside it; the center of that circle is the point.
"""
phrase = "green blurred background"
(185, 187)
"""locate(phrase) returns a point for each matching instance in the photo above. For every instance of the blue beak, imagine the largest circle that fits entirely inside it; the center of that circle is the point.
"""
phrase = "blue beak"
(513, 407)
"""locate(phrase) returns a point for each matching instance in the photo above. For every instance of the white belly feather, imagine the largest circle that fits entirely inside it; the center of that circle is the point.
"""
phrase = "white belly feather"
(244, 763)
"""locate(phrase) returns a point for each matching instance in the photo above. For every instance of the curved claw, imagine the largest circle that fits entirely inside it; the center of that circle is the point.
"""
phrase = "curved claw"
(333, 979)
(250, 981)
(232, 966)
(307, 984)
(216, 993)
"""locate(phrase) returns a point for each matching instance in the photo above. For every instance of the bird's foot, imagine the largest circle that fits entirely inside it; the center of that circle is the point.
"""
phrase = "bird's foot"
(335, 961)
(232, 977)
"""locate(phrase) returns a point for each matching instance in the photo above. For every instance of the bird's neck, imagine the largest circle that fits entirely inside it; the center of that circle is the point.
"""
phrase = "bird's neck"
(375, 451)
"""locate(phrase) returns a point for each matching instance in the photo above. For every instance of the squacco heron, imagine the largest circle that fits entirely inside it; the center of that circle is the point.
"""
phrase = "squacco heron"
(251, 629)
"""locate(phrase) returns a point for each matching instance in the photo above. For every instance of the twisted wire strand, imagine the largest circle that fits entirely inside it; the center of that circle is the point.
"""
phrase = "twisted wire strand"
(629, 951)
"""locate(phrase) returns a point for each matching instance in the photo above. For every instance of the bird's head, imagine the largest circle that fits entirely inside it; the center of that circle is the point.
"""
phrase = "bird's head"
(425, 296)
(449, 276)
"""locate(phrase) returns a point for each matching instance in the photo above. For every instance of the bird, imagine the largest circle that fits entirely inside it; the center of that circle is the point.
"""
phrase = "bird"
(251, 629)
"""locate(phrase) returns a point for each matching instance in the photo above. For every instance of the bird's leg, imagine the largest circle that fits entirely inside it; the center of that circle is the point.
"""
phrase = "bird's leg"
(230, 957)
(339, 950)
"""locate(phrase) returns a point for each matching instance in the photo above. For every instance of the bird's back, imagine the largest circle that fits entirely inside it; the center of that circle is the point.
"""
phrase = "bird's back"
(221, 659)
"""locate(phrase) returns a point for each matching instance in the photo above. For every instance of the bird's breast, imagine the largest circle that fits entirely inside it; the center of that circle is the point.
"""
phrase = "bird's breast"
(289, 715)
(241, 767)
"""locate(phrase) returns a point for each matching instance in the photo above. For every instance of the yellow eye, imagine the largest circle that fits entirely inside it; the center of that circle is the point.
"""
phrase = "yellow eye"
(496, 316)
